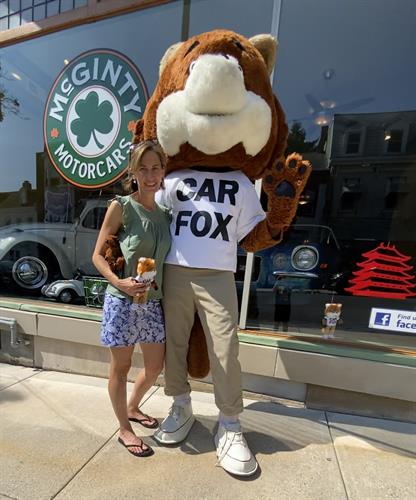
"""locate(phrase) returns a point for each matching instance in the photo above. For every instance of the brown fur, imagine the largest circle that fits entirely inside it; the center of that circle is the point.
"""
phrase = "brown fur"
(198, 361)
(144, 265)
(256, 60)
(256, 79)
(113, 254)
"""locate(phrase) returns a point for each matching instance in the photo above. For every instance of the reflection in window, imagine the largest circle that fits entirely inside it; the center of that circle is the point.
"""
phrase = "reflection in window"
(94, 218)
(351, 195)
(394, 143)
(353, 143)
(396, 192)
(14, 13)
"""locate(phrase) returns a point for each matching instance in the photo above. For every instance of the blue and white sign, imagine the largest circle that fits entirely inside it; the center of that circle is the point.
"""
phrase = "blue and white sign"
(393, 320)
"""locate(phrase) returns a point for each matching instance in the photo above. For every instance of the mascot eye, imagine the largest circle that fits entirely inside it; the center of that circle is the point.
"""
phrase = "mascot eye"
(240, 68)
(238, 45)
(192, 66)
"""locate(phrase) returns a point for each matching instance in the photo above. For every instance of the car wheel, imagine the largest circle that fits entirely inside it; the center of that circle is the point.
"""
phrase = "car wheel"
(66, 296)
(30, 272)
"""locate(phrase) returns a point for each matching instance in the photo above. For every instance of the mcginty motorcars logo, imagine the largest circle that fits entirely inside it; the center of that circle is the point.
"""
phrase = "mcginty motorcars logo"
(89, 117)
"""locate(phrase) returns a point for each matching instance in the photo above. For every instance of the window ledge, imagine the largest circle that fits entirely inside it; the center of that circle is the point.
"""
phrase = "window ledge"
(371, 351)
(335, 347)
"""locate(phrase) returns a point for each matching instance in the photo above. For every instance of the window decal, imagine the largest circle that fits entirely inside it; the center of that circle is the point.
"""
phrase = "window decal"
(383, 273)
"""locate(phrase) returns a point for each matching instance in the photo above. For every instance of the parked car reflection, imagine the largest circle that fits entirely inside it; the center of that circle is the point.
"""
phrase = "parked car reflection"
(307, 260)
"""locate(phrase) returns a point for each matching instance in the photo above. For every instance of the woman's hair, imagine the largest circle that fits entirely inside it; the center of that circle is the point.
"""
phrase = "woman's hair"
(135, 158)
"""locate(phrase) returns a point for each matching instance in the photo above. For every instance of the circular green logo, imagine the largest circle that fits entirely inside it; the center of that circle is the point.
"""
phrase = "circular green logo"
(90, 115)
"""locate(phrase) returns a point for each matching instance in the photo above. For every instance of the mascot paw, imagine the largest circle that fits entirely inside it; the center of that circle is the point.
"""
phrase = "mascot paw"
(284, 184)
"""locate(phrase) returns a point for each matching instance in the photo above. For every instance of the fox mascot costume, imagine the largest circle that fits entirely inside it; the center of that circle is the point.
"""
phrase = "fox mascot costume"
(214, 114)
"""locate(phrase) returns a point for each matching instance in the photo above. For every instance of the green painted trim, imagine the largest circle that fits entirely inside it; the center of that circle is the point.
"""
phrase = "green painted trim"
(62, 312)
(88, 314)
(331, 350)
(10, 305)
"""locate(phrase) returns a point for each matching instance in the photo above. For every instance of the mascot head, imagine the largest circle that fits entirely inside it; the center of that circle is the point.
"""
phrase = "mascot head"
(213, 105)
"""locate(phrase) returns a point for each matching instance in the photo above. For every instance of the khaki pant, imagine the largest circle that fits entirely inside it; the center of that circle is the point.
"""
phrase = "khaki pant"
(212, 293)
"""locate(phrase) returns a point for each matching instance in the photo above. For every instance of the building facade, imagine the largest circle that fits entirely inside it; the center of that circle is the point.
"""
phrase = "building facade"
(344, 80)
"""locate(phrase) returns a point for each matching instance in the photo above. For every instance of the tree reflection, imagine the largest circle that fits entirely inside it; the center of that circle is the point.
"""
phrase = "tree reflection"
(296, 141)
(8, 103)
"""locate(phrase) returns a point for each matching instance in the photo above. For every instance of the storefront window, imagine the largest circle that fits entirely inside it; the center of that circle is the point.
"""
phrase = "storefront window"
(14, 13)
(49, 220)
(344, 80)
(349, 113)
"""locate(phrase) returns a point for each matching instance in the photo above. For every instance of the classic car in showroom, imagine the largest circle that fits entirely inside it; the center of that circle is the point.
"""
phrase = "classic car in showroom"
(34, 254)
(307, 260)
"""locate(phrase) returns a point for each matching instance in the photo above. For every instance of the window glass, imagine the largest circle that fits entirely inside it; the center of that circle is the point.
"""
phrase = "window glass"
(34, 198)
(245, 17)
(352, 116)
(14, 6)
(3, 9)
(39, 12)
(14, 21)
(27, 16)
(394, 143)
(52, 8)
(67, 5)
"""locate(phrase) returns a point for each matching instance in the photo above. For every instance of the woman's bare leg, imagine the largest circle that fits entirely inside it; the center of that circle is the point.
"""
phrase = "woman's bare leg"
(153, 359)
(117, 389)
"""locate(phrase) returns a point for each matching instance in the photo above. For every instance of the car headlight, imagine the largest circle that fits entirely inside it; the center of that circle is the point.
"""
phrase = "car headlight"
(304, 258)
(280, 262)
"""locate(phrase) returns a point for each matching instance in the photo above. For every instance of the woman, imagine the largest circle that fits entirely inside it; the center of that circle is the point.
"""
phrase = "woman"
(142, 227)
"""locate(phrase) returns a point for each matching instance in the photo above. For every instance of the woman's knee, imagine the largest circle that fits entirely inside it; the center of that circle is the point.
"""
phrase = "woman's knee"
(120, 369)
(153, 369)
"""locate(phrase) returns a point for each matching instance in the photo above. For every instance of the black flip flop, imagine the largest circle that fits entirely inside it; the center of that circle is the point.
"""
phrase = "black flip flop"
(144, 453)
(145, 417)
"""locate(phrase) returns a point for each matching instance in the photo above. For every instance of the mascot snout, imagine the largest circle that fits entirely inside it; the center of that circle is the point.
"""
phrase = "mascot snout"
(215, 85)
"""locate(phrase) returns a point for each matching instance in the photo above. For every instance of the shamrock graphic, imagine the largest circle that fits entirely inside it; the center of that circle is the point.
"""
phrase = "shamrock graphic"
(92, 117)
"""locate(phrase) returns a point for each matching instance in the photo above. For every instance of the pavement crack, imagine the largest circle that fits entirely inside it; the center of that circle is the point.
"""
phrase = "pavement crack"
(84, 465)
(336, 456)
(21, 380)
(3, 495)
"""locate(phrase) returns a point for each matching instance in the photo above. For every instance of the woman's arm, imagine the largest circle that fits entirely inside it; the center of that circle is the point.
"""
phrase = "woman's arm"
(111, 225)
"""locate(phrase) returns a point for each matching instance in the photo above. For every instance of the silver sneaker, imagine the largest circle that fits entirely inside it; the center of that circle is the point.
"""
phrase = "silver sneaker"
(176, 425)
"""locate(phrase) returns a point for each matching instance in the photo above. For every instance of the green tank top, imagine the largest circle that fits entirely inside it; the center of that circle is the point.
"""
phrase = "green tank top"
(144, 233)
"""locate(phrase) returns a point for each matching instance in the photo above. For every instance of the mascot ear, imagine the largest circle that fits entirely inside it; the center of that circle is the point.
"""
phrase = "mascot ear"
(138, 131)
(267, 46)
(168, 55)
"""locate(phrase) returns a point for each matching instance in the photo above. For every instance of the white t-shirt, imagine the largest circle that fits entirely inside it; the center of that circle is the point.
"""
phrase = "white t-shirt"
(211, 213)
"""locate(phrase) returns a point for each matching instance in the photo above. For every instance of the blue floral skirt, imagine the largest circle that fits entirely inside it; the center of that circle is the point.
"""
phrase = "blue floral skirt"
(126, 323)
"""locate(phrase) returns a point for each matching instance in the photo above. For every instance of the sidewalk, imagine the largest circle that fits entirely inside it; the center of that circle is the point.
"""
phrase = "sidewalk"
(58, 439)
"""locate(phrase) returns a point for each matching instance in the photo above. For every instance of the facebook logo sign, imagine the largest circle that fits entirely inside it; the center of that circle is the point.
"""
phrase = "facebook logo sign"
(382, 319)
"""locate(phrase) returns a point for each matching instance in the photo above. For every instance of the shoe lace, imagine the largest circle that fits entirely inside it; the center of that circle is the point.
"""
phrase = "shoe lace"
(237, 438)
(175, 411)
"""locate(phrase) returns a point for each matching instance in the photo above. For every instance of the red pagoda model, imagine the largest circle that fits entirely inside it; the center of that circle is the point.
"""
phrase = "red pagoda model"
(383, 274)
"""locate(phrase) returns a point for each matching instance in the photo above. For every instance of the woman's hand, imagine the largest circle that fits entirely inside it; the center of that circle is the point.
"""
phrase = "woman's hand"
(132, 287)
